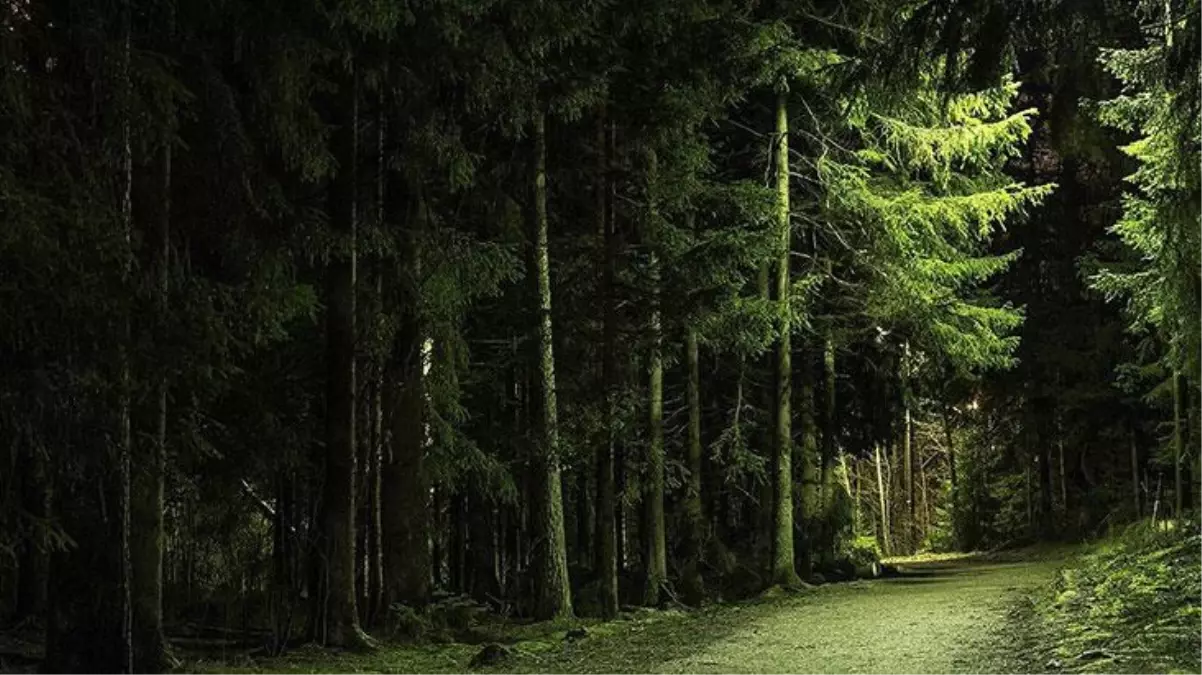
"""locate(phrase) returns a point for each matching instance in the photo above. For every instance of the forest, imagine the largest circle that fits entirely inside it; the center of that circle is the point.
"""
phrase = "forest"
(364, 329)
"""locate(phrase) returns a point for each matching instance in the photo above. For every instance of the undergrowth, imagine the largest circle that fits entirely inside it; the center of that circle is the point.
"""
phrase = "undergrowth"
(1131, 604)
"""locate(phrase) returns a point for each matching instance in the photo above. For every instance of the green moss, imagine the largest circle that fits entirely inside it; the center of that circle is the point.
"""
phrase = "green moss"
(1130, 605)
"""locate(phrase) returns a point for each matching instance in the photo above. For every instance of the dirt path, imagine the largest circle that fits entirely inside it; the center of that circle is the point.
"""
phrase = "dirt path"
(947, 617)
(951, 617)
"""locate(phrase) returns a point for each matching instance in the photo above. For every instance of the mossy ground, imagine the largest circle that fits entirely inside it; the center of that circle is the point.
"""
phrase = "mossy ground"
(951, 615)
(1130, 603)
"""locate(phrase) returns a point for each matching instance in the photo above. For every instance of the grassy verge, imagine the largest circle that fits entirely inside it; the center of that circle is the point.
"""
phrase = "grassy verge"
(630, 643)
(1130, 604)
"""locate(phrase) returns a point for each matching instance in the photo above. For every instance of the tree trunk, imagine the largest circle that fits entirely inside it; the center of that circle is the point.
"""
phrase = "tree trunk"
(1178, 445)
(809, 522)
(338, 622)
(552, 592)
(1191, 423)
(655, 538)
(783, 571)
(883, 498)
(88, 626)
(766, 499)
(282, 580)
(951, 459)
(606, 528)
(125, 377)
(405, 485)
(830, 448)
(693, 584)
(485, 587)
(146, 507)
(907, 538)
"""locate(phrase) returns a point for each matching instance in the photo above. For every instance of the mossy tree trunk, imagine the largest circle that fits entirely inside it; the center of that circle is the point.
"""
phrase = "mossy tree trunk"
(783, 570)
(550, 560)
(654, 535)
(810, 509)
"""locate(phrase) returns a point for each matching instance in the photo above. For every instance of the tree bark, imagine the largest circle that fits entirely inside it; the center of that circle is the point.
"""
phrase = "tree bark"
(606, 528)
(830, 448)
(655, 539)
(907, 539)
(883, 498)
(146, 508)
(809, 522)
(1178, 445)
(552, 592)
(338, 620)
(89, 616)
(485, 587)
(693, 582)
(783, 571)
(951, 457)
(405, 486)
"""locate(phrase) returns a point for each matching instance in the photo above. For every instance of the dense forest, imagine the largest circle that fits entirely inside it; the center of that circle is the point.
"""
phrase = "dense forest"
(315, 313)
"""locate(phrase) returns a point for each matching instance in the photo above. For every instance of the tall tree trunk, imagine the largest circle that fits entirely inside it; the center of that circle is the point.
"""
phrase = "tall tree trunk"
(482, 550)
(125, 397)
(339, 617)
(1191, 425)
(146, 509)
(809, 522)
(88, 626)
(282, 544)
(375, 508)
(783, 571)
(766, 499)
(831, 456)
(907, 538)
(553, 596)
(405, 485)
(1179, 433)
(655, 537)
(606, 528)
(693, 583)
(954, 505)
(883, 498)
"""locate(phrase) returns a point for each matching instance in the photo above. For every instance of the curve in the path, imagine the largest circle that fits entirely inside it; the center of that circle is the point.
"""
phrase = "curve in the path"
(939, 618)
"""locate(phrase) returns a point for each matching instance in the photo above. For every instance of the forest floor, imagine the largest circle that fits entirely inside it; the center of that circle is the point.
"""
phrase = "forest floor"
(941, 615)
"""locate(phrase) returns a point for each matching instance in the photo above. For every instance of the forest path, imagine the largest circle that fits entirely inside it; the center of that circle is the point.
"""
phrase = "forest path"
(939, 617)
(950, 616)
